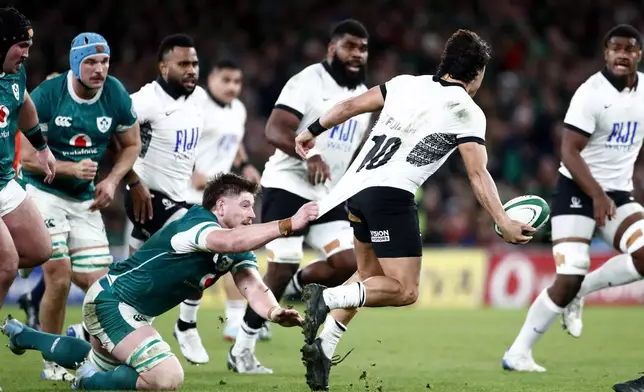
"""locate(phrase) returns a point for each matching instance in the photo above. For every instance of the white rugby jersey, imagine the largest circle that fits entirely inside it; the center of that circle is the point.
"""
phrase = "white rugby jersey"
(422, 122)
(613, 119)
(308, 95)
(217, 149)
(171, 126)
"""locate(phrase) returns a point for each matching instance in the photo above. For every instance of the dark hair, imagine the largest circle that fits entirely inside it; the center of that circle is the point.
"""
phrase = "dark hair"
(172, 41)
(351, 27)
(464, 56)
(226, 184)
(226, 64)
(623, 30)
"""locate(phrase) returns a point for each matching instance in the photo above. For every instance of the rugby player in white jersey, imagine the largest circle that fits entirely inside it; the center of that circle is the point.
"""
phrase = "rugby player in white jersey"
(594, 191)
(424, 119)
(218, 151)
(288, 181)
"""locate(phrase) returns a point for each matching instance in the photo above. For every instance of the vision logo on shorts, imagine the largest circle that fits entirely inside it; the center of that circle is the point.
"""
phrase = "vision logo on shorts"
(380, 236)
(81, 140)
(207, 281)
(4, 116)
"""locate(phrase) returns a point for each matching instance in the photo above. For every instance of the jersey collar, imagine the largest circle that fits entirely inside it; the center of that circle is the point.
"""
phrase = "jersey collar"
(169, 89)
(219, 103)
(445, 83)
(75, 97)
(618, 83)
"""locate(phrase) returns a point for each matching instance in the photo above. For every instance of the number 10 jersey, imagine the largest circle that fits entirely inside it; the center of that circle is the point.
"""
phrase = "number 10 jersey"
(423, 120)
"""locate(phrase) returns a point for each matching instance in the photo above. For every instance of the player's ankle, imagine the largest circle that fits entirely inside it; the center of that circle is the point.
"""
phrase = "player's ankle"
(330, 336)
(184, 326)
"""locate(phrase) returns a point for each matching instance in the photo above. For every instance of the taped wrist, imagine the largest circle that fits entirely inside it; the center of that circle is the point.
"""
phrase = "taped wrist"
(285, 226)
(269, 315)
(36, 138)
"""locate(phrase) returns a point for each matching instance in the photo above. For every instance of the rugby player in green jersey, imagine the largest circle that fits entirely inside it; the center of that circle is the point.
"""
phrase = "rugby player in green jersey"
(183, 258)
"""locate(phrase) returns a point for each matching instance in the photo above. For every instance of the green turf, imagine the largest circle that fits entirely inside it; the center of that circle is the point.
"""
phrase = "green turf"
(405, 350)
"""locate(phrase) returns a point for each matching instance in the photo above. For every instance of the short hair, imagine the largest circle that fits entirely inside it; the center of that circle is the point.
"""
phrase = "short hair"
(464, 56)
(226, 184)
(226, 64)
(623, 30)
(351, 27)
(172, 41)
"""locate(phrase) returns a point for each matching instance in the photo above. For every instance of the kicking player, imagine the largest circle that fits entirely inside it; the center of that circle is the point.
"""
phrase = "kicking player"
(424, 119)
(289, 181)
(25, 240)
(172, 114)
(594, 190)
(127, 352)
(219, 152)
(80, 110)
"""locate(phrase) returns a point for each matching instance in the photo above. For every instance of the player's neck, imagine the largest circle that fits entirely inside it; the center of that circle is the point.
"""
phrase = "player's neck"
(448, 78)
(216, 99)
(82, 91)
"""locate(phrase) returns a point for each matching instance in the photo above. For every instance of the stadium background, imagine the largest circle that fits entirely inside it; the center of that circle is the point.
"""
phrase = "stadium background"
(542, 51)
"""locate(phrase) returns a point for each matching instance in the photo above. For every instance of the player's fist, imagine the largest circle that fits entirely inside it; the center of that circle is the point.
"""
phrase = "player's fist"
(318, 170)
(48, 163)
(516, 232)
(103, 194)
(603, 206)
(307, 213)
(286, 317)
(304, 142)
(85, 169)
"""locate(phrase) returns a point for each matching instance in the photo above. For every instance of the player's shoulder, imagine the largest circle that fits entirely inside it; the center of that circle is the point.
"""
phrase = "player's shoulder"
(55, 85)
(114, 85)
(593, 84)
(238, 106)
(310, 74)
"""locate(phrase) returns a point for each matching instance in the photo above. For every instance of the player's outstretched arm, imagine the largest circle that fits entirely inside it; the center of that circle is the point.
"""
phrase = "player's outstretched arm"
(370, 101)
(262, 300)
(475, 159)
(247, 238)
(572, 143)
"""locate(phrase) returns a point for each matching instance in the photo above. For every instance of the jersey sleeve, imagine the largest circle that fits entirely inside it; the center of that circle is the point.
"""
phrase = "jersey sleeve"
(194, 239)
(580, 116)
(41, 97)
(296, 94)
(244, 260)
(470, 124)
(126, 113)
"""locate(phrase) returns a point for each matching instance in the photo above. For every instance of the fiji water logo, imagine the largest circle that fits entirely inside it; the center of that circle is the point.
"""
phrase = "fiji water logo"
(207, 281)
(622, 135)
(81, 140)
(4, 116)
(342, 135)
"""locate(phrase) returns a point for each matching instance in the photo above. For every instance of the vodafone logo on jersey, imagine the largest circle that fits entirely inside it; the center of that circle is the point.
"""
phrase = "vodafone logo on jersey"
(81, 140)
(4, 116)
(207, 281)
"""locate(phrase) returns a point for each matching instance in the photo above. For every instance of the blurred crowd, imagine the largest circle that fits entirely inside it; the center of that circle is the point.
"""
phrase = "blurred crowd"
(542, 51)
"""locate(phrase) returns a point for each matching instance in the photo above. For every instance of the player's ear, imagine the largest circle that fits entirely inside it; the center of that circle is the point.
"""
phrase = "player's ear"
(331, 48)
(163, 69)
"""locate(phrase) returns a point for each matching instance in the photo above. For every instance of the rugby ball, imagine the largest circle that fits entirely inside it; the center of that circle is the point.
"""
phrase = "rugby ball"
(530, 209)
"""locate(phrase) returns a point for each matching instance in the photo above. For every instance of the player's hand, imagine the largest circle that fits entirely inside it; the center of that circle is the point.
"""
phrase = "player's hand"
(307, 213)
(318, 170)
(141, 202)
(48, 163)
(603, 206)
(104, 194)
(286, 317)
(85, 169)
(304, 142)
(516, 232)
(251, 174)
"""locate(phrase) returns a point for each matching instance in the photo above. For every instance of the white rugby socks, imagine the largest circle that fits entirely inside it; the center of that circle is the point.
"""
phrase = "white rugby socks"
(541, 315)
(235, 310)
(188, 310)
(617, 271)
(353, 295)
(330, 336)
(246, 339)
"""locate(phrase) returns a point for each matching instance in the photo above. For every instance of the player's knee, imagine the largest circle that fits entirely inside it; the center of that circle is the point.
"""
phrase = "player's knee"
(565, 288)
(571, 258)
(59, 275)
(285, 251)
(166, 376)
(8, 267)
(409, 295)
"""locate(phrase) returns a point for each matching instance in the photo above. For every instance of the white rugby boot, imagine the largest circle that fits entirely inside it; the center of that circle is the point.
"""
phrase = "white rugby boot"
(54, 372)
(571, 317)
(246, 363)
(521, 362)
(85, 370)
(191, 346)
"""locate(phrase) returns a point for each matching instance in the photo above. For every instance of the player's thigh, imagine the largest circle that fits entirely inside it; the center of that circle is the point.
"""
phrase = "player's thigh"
(89, 248)
(164, 211)
(8, 253)
(626, 231)
(573, 226)
(279, 204)
(24, 220)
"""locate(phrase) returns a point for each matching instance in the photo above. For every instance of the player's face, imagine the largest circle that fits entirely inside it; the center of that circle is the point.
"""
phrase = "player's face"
(181, 68)
(94, 70)
(622, 56)
(225, 84)
(476, 83)
(350, 57)
(237, 210)
(16, 55)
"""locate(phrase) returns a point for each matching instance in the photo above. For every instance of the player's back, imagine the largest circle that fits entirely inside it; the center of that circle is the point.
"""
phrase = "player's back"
(423, 120)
